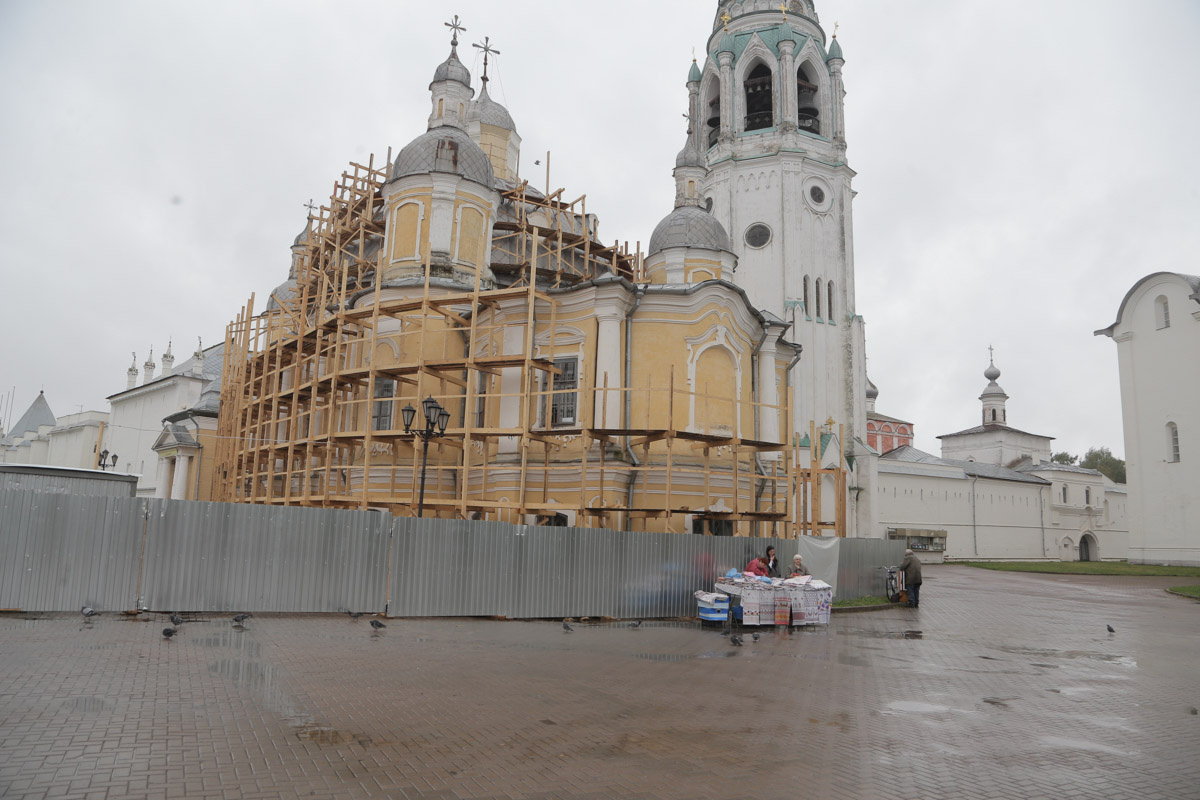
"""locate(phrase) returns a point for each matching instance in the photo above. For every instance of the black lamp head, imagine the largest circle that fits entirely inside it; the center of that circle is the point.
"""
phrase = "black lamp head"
(408, 412)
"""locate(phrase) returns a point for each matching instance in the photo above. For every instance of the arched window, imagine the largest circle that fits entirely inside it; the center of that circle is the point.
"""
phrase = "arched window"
(1064, 493)
(807, 307)
(993, 415)
(829, 305)
(712, 118)
(1162, 313)
(1172, 442)
(758, 99)
(1087, 495)
(807, 112)
(818, 298)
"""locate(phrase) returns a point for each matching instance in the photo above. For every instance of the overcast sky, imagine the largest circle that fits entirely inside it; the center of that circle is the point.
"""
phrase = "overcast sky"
(1020, 165)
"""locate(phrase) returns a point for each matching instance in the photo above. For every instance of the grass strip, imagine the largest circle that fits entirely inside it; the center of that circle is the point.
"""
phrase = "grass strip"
(869, 600)
(1085, 568)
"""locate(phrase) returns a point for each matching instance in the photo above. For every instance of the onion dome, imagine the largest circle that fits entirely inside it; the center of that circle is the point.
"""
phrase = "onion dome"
(872, 390)
(281, 293)
(991, 373)
(489, 112)
(444, 149)
(726, 44)
(694, 73)
(835, 50)
(452, 70)
(689, 156)
(301, 238)
(689, 226)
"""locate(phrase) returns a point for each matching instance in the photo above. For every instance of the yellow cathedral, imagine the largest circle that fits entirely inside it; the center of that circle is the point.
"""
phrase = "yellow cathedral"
(454, 343)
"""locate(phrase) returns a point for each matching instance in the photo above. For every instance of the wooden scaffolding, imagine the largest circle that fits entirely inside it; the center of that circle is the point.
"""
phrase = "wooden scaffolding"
(311, 416)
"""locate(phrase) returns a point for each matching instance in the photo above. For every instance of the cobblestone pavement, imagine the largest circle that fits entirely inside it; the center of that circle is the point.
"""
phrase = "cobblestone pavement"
(1001, 685)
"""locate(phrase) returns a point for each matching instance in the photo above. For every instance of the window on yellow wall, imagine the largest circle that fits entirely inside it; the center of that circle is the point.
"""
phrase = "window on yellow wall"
(565, 396)
(381, 416)
(406, 231)
(470, 236)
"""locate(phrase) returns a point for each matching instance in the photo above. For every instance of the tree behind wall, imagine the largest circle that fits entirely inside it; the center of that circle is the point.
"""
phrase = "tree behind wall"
(1064, 458)
(1102, 459)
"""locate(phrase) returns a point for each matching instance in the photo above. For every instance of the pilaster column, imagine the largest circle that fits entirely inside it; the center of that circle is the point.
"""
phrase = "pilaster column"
(510, 382)
(837, 106)
(787, 86)
(768, 392)
(726, 59)
(696, 118)
(608, 363)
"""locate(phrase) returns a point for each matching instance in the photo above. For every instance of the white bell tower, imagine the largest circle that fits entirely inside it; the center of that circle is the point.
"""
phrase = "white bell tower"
(769, 102)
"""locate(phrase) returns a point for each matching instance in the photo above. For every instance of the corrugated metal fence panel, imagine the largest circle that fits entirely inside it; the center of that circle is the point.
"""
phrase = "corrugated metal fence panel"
(60, 552)
(859, 563)
(459, 568)
(233, 557)
(450, 568)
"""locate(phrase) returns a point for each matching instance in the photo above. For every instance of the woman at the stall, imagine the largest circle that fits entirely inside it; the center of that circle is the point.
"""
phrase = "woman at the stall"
(757, 566)
(772, 564)
(798, 568)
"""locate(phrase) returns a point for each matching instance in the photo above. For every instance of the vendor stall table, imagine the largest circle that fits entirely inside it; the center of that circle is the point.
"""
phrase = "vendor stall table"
(779, 602)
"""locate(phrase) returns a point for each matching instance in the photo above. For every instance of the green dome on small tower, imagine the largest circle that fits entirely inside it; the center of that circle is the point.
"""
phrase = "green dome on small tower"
(835, 50)
(694, 72)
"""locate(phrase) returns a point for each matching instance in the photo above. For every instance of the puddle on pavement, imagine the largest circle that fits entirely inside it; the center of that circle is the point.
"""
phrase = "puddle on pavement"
(684, 656)
(913, 707)
(230, 640)
(999, 702)
(1091, 655)
(878, 634)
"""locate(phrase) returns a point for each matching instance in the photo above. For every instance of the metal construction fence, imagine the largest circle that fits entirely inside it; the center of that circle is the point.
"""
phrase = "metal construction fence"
(60, 552)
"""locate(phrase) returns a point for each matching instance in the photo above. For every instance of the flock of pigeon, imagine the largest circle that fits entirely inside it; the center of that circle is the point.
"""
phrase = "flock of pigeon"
(239, 621)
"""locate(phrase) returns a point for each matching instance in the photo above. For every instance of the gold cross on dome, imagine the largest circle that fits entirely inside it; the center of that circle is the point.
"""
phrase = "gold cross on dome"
(783, 8)
(835, 27)
(456, 28)
(725, 18)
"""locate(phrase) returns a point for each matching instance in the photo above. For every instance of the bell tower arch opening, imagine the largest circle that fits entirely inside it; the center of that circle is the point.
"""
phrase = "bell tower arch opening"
(808, 109)
(759, 98)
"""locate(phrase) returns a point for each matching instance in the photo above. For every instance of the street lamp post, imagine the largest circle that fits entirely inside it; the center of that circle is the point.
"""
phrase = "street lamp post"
(436, 420)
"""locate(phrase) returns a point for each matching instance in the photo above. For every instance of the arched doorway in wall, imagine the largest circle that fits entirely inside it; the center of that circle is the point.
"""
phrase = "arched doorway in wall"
(1088, 549)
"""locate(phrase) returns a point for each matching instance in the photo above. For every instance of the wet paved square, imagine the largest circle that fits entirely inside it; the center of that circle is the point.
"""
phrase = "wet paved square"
(1001, 685)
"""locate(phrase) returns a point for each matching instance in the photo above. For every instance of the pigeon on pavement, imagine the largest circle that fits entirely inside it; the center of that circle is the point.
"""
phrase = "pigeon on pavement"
(88, 611)
(1111, 629)
(240, 618)
(736, 641)
(176, 620)
(755, 635)
(637, 624)
(567, 627)
(168, 633)
(376, 624)
(354, 614)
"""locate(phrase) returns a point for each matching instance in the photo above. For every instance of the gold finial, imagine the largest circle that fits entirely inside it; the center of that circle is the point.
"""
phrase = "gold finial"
(829, 422)
(456, 28)
(725, 18)
(783, 8)
(835, 27)
(693, 53)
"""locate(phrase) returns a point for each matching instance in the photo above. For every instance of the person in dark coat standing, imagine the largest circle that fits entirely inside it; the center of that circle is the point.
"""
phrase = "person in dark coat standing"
(772, 564)
(911, 567)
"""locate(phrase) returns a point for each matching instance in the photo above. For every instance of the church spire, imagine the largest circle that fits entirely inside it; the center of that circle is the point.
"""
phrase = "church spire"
(993, 397)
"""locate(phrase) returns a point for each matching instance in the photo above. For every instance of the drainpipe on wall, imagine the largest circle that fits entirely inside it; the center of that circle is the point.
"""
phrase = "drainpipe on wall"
(633, 459)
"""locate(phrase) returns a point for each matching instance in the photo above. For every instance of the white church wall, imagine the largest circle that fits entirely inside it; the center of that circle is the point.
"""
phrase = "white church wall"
(983, 519)
(73, 442)
(136, 422)
(1160, 384)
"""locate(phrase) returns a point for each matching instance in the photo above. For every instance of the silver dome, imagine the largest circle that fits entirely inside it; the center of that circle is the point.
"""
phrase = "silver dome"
(872, 390)
(688, 226)
(283, 292)
(444, 149)
(489, 112)
(452, 70)
(689, 156)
